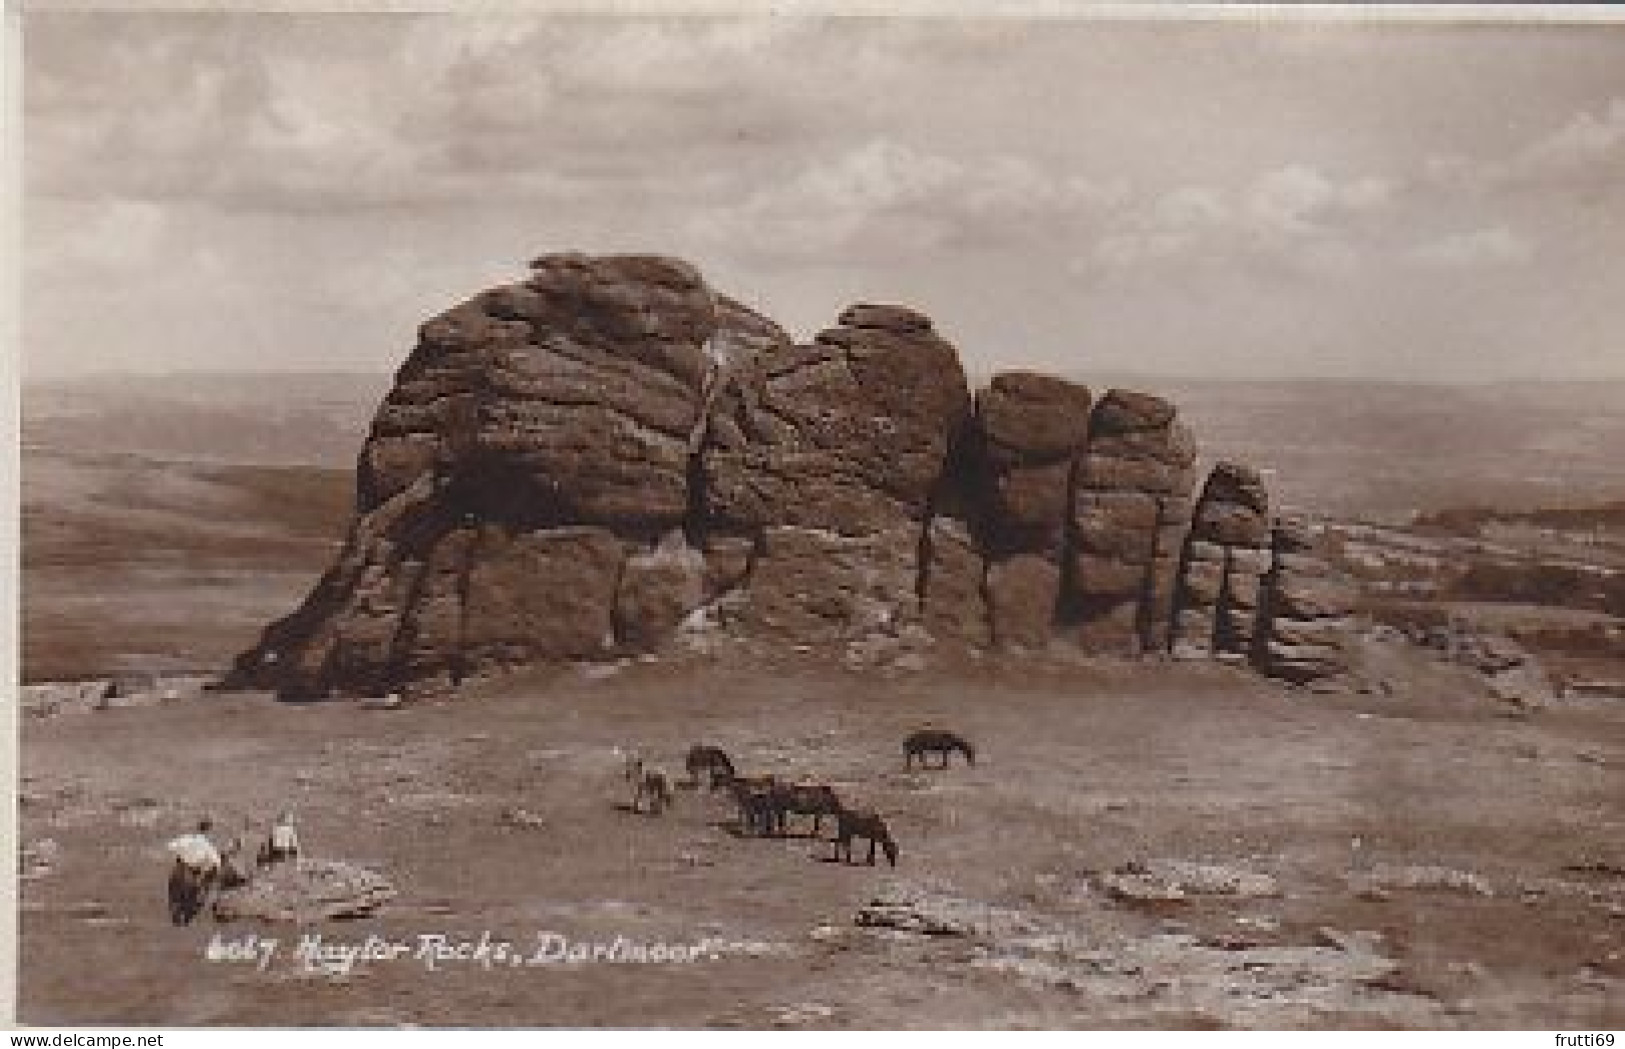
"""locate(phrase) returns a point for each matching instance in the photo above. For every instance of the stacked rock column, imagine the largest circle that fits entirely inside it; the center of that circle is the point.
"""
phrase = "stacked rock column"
(1226, 558)
(1307, 610)
(1130, 507)
(1029, 432)
(829, 454)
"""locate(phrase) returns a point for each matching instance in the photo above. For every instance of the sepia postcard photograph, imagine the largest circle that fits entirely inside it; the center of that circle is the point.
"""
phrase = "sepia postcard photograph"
(847, 518)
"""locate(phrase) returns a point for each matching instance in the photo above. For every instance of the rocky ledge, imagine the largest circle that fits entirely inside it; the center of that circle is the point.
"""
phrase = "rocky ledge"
(585, 463)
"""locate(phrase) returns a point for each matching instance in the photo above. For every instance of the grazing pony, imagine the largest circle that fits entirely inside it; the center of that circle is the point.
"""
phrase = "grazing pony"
(860, 823)
(804, 799)
(233, 873)
(195, 872)
(189, 888)
(714, 760)
(282, 843)
(936, 741)
(758, 813)
(648, 781)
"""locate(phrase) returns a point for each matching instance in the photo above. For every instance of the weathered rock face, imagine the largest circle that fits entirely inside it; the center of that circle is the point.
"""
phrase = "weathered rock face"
(1129, 515)
(1305, 621)
(569, 399)
(1027, 435)
(538, 442)
(574, 465)
(847, 435)
(829, 454)
(953, 598)
(1227, 554)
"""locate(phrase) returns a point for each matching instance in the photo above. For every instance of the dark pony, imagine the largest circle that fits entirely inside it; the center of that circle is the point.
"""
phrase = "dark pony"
(858, 823)
(804, 799)
(936, 741)
(648, 782)
(754, 796)
(714, 760)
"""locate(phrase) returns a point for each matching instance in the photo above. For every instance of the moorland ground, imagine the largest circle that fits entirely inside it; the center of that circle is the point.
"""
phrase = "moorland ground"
(503, 810)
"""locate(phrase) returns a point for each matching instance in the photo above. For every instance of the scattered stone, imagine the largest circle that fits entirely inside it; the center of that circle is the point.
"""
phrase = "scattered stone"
(1174, 880)
(801, 1014)
(1363, 941)
(1262, 922)
(826, 933)
(1138, 886)
(1423, 878)
(922, 911)
(523, 819)
(51, 699)
(306, 891)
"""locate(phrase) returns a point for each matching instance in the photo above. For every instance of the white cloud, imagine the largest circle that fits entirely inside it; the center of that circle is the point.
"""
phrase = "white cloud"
(889, 197)
(1490, 246)
(1298, 199)
(1588, 147)
(1293, 212)
(326, 180)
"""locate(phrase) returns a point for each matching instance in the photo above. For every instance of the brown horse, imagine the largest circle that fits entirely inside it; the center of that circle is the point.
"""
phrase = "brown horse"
(233, 873)
(856, 823)
(754, 795)
(713, 760)
(804, 799)
(936, 741)
(648, 782)
(189, 889)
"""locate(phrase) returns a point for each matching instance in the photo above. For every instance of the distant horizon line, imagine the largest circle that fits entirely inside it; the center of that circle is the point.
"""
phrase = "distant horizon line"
(25, 381)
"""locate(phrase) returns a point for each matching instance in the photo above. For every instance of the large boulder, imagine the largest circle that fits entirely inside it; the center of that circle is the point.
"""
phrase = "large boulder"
(1227, 553)
(657, 589)
(1022, 592)
(304, 892)
(606, 456)
(830, 454)
(1028, 432)
(568, 398)
(1305, 612)
(538, 440)
(812, 586)
(1129, 512)
(848, 434)
(542, 595)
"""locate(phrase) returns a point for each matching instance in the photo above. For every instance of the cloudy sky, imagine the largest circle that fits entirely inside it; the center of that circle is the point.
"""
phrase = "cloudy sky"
(1221, 197)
